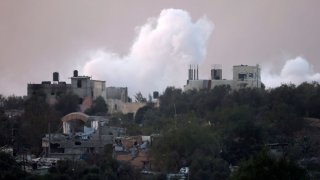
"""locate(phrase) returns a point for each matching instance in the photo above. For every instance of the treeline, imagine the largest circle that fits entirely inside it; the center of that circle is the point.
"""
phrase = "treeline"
(210, 130)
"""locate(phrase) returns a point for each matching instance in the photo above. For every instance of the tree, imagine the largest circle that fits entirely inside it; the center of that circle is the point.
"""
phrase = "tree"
(2, 100)
(309, 98)
(14, 102)
(173, 102)
(140, 115)
(193, 146)
(139, 98)
(35, 123)
(9, 168)
(241, 135)
(99, 107)
(209, 168)
(263, 167)
(286, 119)
(67, 103)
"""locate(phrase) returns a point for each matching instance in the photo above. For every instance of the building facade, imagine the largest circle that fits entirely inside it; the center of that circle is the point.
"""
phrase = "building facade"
(83, 86)
(87, 90)
(244, 76)
(82, 135)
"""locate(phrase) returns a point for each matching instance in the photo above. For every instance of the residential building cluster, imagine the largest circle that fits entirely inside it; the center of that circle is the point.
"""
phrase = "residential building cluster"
(87, 90)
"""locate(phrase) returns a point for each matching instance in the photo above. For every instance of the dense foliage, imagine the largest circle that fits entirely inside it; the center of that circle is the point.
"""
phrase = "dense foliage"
(9, 168)
(229, 127)
(99, 107)
(265, 167)
(210, 131)
(68, 103)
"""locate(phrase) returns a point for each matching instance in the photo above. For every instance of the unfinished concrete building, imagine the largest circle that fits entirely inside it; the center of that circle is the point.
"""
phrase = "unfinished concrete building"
(82, 135)
(244, 76)
(83, 86)
(119, 93)
(88, 90)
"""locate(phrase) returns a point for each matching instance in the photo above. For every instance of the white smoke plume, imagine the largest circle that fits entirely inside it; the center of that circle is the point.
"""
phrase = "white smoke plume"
(159, 56)
(296, 71)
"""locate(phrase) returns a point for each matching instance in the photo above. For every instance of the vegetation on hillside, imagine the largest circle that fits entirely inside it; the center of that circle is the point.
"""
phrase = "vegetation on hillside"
(210, 131)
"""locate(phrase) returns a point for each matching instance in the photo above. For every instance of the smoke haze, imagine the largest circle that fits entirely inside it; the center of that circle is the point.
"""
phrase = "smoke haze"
(296, 71)
(159, 56)
(41, 37)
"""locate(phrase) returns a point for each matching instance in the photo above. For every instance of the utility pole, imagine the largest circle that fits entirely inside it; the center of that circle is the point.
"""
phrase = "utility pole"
(13, 141)
(49, 135)
(175, 115)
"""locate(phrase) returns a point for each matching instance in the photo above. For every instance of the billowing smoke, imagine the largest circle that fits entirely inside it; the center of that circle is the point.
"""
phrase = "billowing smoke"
(159, 56)
(294, 71)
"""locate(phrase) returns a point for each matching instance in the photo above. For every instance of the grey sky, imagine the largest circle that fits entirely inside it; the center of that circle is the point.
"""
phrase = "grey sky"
(40, 37)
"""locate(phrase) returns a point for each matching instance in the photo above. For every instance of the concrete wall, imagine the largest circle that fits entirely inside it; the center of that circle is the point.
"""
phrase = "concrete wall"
(52, 91)
(84, 90)
(230, 83)
(250, 72)
(132, 107)
(99, 89)
(118, 106)
(197, 85)
(120, 93)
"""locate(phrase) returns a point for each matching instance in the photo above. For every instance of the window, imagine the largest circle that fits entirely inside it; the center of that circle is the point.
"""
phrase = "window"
(250, 75)
(242, 76)
(79, 84)
(78, 143)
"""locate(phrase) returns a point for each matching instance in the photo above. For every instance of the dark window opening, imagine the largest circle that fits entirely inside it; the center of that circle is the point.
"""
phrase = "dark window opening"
(78, 143)
(79, 84)
(80, 100)
(242, 76)
(115, 107)
(251, 75)
(55, 148)
(52, 93)
(59, 93)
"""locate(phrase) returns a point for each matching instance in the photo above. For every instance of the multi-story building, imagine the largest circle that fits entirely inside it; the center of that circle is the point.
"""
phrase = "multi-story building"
(87, 90)
(244, 76)
(83, 86)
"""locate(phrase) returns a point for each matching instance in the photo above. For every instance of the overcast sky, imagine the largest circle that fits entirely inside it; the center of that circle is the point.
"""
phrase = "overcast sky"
(40, 37)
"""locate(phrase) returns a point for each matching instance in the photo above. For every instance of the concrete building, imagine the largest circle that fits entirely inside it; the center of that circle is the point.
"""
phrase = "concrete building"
(52, 91)
(120, 93)
(118, 102)
(82, 135)
(244, 76)
(83, 86)
(88, 90)
(118, 106)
